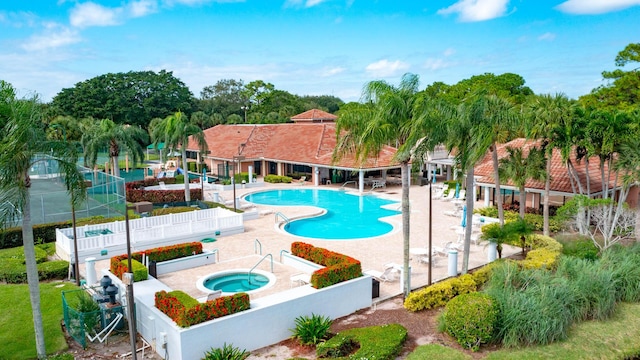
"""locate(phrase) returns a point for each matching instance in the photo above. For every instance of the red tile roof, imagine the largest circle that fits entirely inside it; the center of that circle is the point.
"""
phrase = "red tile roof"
(314, 115)
(559, 176)
(310, 143)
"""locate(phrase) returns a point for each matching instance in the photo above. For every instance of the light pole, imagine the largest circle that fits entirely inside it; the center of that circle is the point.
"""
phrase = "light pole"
(245, 108)
(430, 234)
(129, 276)
(237, 158)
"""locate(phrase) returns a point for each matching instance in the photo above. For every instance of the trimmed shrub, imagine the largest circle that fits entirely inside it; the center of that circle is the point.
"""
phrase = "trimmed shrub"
(275, 179)
(187, 311)
(227, 352)
(471, 319)
(440, 293)
(541, 259)
(340, 346)
(158, 254)
(338, 267)
(376, 342)
(311, 330)
(50, 270)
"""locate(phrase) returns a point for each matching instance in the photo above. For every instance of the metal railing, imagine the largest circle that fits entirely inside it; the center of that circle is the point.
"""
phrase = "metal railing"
(284, 218)
(256, 265)
(257, 244)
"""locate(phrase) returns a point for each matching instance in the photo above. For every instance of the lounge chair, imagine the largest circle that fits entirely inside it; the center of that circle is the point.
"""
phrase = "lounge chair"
(390, 273)
(302, 181)
(449, 195)
(214, 295)
(300, 279)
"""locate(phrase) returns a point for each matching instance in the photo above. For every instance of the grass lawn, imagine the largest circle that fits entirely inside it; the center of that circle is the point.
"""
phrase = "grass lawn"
(17, 336)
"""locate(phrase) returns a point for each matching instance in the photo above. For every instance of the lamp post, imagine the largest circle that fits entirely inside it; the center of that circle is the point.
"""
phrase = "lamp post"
(129, 276)
(430, 235)
(237, 158)
(245, 108)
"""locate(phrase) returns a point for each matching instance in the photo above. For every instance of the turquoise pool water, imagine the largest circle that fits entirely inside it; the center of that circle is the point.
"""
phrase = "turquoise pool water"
(348, 216)
(237, 282)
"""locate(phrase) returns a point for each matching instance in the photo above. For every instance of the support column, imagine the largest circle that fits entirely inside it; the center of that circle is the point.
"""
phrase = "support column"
(361, 181)
(316, 176)
(487, 195)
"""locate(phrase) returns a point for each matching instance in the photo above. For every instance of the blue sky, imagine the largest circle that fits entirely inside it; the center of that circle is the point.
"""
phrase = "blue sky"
(315, 47)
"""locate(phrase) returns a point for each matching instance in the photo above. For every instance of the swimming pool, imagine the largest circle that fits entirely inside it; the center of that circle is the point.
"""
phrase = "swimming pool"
(347, 216)
(238, 280)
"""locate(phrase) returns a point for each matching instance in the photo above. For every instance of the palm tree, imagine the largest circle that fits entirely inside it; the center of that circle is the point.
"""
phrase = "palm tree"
(174, 131)
(519, 169)
(498, 121)
(545, 113)
(107, 134)
(384, 118)
(23, 144)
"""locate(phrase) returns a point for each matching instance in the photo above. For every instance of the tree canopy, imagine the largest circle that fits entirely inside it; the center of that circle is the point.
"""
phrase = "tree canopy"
(623, 88)
(133, 98)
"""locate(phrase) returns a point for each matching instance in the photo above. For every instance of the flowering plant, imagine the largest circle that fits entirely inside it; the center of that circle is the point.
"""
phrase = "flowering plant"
(186, 311)
(338, 268)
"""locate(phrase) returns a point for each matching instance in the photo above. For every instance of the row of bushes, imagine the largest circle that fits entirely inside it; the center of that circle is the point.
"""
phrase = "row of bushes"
(338, 267)
(187, 311)
(544, 254)
(274, 179)
(534, 221)
(539, 305)
(15, 272)
(119, 264)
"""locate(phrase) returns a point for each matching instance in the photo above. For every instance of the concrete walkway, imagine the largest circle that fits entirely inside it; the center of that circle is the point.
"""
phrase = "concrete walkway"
(239, 251)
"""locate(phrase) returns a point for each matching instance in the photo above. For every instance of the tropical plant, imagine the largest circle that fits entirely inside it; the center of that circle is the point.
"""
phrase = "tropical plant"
(226, 352)
(311, 330)
(545, 112)
(384, 117)
(23, 145)
(520, 168)
(498, 118)
(115, 138)
(175, 131)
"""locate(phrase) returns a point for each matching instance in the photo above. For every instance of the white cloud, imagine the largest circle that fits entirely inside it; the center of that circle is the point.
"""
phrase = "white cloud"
(476, 10)
(332, 71)
(584, 7)
(547, 37)
(54, 36)
(384, 68)
(91, 14)
(299, 3)
(142, 8)
(436, 64)
(449, 52)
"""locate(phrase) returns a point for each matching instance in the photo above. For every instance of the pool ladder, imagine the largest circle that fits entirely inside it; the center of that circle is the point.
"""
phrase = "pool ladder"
(284, 218)
(348, 182)
(256, 265)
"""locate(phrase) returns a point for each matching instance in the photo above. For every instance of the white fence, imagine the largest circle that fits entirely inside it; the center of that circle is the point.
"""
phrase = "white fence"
(103, 241)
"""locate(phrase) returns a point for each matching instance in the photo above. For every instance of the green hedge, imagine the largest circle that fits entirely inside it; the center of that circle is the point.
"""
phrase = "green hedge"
(118, 264)
(376, 342)
(186, 311)
(277, 179)
(15, 272)
(338, 267)
(439, 294)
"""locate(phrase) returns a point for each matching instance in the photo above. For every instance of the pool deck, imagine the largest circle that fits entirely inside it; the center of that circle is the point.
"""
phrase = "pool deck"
(239, 251)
